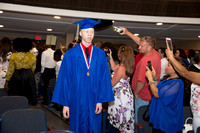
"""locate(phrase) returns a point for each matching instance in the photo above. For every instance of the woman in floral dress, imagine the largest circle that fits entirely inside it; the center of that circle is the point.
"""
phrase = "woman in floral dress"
(121, 111)
(5, 53)
(195, 94)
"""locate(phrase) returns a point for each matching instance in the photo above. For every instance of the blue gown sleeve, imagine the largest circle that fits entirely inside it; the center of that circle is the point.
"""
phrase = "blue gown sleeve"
(61, 94)
(169, 92)
(105, 93)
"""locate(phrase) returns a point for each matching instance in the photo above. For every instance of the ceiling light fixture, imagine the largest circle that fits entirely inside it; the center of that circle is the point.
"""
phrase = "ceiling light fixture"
(136, 34)
(1, 26)
(1, 11)
(198, 36)
(57, 17)
(49, 29)
(159, 23)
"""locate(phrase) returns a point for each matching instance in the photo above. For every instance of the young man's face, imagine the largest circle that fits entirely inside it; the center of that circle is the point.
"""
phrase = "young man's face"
(87, 35)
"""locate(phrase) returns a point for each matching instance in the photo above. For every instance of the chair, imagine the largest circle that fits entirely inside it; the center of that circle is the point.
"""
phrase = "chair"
(24, 121)
(12, 102)
(142, 126)
(145, 127)
(58, 131)
(186, 113)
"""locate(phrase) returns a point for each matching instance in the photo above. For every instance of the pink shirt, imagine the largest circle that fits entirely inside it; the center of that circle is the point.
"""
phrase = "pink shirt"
(139, 75)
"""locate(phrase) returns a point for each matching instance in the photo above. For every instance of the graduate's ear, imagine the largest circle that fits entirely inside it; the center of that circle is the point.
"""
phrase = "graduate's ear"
(80, 33)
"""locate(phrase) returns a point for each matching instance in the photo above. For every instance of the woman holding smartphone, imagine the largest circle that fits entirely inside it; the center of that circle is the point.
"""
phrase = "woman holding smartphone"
(166, 109)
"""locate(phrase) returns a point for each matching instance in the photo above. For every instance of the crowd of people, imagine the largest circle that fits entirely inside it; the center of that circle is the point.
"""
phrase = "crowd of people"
(92, 77)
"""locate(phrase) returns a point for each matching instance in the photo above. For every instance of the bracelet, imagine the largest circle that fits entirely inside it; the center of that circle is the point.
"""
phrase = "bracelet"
(156, 79)
(152, 82)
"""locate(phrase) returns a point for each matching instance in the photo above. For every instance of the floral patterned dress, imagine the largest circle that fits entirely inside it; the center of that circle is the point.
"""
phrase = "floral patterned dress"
(3, 69)
(121, 111)
(195, 100)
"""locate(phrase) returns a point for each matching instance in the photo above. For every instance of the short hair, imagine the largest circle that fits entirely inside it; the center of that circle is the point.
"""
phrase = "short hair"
(57, 55)
(22, 44)
(163, 51)
(70, 46)
(149, 40)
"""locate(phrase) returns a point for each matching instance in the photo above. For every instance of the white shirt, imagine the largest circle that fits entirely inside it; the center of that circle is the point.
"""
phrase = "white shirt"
(58, 67)
(164, 62)
(47, 59)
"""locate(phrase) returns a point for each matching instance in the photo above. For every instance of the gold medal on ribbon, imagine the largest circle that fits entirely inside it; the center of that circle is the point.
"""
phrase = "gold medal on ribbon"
(88, 74)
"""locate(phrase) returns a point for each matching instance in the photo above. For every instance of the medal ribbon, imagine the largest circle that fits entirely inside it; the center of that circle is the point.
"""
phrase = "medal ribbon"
(85, 57)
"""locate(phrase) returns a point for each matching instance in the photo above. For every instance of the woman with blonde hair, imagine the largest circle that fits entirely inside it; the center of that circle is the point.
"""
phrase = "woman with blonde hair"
(121, 111)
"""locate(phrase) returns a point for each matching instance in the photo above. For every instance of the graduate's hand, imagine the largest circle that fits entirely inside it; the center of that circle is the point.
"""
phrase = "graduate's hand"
(98, 108)
(65, 112)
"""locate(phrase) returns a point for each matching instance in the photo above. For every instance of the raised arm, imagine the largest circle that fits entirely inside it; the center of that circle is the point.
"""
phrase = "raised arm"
(136, 39)
(192, 76)
(112, 63)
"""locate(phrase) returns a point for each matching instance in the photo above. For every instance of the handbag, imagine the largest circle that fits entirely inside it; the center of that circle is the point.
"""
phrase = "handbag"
(187, 127)
(146, 113)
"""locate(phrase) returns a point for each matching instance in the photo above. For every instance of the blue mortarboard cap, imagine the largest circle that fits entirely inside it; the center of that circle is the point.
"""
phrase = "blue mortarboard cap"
(87, 23)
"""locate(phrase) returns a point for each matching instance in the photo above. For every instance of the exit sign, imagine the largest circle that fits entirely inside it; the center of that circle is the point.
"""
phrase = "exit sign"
(38, 38)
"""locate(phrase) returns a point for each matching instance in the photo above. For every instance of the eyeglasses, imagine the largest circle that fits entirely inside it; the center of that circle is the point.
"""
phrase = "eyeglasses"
(148, 39)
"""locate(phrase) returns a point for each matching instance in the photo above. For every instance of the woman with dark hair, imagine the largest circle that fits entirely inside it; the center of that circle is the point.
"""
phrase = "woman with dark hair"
(191, 56)
(121, 111)
(5, 53)
(166, 109)
(19, 78)
(181, 53)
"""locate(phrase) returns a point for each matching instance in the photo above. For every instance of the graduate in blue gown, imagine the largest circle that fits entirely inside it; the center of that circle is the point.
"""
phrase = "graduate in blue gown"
(84, 83)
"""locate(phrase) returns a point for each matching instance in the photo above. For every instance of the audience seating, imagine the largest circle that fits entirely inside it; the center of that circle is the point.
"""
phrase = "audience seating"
(24, 121)
(142, 126)
(58, 131)
(12, 102)
(145, 127)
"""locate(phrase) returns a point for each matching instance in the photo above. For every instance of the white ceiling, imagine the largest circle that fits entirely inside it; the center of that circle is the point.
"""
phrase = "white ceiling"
(16, 21)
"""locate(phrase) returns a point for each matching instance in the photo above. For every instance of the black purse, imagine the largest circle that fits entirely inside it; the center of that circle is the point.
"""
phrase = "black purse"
(146, 113)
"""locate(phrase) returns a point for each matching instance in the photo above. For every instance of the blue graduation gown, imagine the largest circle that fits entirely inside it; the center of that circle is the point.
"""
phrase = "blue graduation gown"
(80, 92)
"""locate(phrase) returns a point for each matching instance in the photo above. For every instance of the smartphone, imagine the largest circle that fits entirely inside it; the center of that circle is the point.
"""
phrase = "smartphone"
(169, 42)
(149, 65)
(117, 29)
(106, 50)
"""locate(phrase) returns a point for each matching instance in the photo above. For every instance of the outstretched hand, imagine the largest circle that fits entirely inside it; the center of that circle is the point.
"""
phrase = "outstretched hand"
(125, 31)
